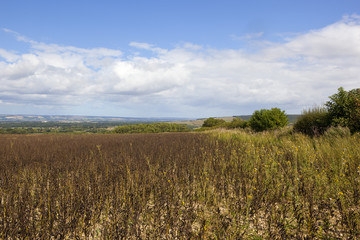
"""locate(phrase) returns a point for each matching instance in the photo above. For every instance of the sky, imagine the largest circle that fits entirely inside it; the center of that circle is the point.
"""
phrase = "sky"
(178, 58)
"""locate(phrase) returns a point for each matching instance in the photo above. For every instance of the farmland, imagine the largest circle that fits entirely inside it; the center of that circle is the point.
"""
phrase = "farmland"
(214, 185)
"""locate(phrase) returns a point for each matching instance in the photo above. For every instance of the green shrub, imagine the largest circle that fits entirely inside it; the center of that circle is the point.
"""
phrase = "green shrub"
(237, 123)
(266, 119)
(313, 122)
(152, 128)
(344, 109)
(213, 122)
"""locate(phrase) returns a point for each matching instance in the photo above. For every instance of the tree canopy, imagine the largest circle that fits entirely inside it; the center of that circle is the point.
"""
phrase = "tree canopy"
(344, 109)
(268, 119)
(212, 122)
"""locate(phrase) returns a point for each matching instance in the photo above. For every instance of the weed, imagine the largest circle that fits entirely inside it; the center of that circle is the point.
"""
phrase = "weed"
(216, 185)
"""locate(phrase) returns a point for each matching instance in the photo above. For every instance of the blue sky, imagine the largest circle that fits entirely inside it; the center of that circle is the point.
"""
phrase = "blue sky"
(175, 58)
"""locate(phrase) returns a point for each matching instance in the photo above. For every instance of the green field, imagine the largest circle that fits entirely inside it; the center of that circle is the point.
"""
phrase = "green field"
(214, 185)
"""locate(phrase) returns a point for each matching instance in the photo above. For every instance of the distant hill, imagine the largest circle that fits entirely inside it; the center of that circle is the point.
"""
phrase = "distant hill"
(21, 119)
(23, 124)
(71, 118)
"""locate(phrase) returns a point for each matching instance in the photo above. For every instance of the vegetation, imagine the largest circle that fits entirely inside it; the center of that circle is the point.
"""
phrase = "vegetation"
(219, 185)
(58, 127)
(89, 127)
(213, 122)
(313, 122)
(260, 121)
(237, 123)
(152, 128)
(344, 109)
(266, 119)
(31, 127)
(222, 184)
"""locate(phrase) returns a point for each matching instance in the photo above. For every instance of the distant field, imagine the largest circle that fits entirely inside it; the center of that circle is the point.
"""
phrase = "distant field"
(215, 185)
(88, 124)
(7, 118)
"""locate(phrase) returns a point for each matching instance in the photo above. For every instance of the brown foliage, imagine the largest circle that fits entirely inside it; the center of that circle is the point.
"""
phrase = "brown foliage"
(170, 186)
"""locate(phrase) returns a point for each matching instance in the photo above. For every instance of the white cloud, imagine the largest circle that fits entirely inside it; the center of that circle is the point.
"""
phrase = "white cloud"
(147, 46)
(247, 37)
(8, 56)
(333, 42)
(188, 80)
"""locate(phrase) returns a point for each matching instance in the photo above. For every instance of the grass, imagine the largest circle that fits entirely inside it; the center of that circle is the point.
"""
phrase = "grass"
(216, 185)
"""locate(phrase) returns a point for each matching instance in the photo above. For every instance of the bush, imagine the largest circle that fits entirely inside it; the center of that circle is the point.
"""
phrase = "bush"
(152, 128)
(313, 122)
(213, 122)
(266, 119)
(237, 123)
(344, 109)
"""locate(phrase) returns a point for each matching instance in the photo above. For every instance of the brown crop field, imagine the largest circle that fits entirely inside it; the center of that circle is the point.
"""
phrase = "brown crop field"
(217, 185)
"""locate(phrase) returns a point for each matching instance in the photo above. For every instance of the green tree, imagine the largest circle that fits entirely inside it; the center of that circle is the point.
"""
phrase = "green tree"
(151, 128)
(344, 109)
(212, 122)
(266, 119)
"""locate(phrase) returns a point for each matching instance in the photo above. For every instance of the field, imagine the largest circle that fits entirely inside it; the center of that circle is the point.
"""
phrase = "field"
(214, 185)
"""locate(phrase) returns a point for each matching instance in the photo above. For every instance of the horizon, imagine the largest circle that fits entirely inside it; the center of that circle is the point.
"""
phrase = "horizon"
(67, 115)
(178, 59)
(130, 117)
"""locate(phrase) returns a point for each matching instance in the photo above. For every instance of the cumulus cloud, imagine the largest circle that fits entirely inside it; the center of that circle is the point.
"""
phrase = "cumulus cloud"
(8, 56)
(189, 79)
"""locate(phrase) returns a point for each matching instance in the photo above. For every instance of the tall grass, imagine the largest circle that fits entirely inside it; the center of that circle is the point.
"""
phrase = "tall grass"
(223, 184)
